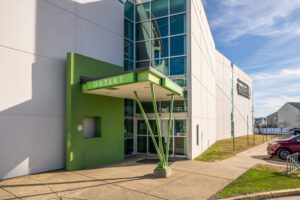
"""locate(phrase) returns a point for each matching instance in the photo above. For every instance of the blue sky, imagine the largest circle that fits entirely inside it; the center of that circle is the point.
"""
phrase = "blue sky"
(262, 37)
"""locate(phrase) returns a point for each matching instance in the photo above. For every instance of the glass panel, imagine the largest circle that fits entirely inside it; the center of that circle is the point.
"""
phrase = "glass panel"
(178, 66)
(143, 64)
(142, 144)
(128, 129)
(165, 127)
(161, 66)
(160, 27)
(180, 80)
(153, 126)
(143, 50)
(159, 8)
(177, 6)
(180, 127)
(151, 145)
(128, 50)
(180, 106)
(160, 48)
(128, 65)
(171, 146)
(165, 106)
(142, 12)
(143, 31)
(128, 10)
(178, 45)
(128, 108)
(141, 127)
(128, 29)
(180, 145)
(128, 146)
(178, 24)
(148, 107)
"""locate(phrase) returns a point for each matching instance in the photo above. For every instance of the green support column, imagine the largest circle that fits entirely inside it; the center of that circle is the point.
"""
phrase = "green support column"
(157, 123)
(169, 129)
(163, 164)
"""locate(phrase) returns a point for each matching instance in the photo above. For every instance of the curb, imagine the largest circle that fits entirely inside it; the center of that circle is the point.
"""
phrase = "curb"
(266, 195)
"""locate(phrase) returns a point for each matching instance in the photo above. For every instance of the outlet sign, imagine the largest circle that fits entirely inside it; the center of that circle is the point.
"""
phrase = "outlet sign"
(110, 82)
(243, 89)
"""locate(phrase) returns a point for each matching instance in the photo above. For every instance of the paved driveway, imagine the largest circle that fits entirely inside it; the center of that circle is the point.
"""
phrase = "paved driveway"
(133, 180)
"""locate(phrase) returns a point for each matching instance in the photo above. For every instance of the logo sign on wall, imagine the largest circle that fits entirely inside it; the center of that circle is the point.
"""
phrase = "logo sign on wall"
(243, 89)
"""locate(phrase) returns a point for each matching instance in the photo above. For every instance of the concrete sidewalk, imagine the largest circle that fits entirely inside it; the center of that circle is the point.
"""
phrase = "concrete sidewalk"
(133, 180)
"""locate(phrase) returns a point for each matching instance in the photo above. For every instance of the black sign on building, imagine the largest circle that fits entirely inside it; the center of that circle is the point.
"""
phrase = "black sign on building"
(243, 89)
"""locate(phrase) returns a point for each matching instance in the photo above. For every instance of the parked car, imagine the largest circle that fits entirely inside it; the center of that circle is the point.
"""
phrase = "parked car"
(284, 147)
(294, 131)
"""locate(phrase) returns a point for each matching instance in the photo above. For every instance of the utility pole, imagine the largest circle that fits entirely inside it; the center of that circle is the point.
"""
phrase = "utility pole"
(253, 122)
(232, 109)
(247, 130)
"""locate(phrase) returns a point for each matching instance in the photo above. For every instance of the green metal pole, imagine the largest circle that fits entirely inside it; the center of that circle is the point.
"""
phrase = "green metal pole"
(157, 123)
(169, 129)
(148, 126)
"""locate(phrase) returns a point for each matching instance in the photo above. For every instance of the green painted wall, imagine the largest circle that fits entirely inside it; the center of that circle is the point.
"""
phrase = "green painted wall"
(88, 152)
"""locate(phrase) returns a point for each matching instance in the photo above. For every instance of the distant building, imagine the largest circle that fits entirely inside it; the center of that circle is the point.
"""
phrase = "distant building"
(272, 120)
(261, 122)
(289, 115)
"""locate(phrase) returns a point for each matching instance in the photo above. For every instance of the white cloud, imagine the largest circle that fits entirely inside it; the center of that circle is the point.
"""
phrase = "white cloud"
(281, 75)
(255, 17)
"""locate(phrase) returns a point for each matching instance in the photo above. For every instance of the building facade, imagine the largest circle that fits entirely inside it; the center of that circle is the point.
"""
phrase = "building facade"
(272, 120)
(172, 36)
(289, 115)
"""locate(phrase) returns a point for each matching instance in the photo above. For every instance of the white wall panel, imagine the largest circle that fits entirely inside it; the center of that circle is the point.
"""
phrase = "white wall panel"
(35, 38)
(99, 43)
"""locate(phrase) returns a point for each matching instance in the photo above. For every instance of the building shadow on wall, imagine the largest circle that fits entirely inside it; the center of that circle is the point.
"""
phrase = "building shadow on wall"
(32, 133)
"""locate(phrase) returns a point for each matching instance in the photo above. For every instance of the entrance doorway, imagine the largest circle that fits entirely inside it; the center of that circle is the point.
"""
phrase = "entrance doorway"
(178, 138)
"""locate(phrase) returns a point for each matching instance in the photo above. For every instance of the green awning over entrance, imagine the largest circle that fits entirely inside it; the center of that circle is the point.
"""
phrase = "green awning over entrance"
(123, 85)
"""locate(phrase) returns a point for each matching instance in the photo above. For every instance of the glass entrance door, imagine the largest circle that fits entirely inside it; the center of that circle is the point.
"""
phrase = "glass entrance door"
(177, 137)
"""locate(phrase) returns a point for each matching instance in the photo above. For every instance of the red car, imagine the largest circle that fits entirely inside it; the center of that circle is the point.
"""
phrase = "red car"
(284, 147)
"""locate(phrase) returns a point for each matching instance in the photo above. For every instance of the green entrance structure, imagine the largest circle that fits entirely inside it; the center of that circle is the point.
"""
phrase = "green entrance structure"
(96, 90)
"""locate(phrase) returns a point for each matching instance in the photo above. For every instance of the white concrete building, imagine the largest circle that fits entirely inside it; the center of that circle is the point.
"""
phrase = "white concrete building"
(36, 36)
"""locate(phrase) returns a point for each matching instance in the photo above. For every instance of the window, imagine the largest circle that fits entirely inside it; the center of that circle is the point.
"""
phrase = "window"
(161, 65)
(180, 145)
(128, 29)
(143, 12)
(180, 106)
(160, 27)
(128, 65)
(143, 31)
(128, 131)
(143, 50)
(128, 10)
(177, 6)
(91, 127)
(178, 45)
(128, 146)
(142, 64)
(180, 128)
(128, 50)
(159, 8)
(180, 80)
(142, 144)
(141, 127)
(147, 106)
(160, 48)
(178, 24)
(128, 108)
(178, 66)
